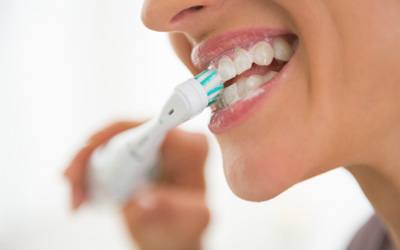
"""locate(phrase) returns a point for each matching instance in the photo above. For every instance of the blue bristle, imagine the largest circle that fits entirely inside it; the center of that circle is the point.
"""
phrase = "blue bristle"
(213, 100)
(211, 76)
(215, 90)
(201, 74)
(211, 83)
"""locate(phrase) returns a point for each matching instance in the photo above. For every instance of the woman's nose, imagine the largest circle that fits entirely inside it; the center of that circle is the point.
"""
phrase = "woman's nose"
(175, 15)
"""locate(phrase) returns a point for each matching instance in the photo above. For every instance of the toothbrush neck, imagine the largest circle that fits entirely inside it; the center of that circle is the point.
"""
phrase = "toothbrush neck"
(175, 112)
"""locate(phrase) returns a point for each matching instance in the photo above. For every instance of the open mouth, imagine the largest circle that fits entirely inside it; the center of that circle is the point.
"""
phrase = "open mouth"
(248, 69)
(248, 62)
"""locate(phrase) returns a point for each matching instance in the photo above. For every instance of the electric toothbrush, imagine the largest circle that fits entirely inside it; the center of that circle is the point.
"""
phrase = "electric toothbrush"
(128, 160)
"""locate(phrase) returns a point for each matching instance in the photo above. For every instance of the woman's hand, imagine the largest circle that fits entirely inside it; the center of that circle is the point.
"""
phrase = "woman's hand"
(169, 214)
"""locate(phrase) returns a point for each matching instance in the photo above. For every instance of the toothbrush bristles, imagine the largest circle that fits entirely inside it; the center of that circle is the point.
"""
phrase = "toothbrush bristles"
(212, 83)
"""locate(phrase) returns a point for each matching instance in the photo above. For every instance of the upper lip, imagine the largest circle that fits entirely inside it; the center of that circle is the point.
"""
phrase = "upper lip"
(207, 51)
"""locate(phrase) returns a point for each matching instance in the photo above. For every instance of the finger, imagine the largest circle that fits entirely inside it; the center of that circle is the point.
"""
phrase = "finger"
(183, 158)
(108, 132)
(78, 197)
(174, 217)
(75, 175)
(76, 170)
(77, 166)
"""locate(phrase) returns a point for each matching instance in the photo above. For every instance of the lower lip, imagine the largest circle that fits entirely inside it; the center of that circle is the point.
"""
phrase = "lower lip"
(235, 114)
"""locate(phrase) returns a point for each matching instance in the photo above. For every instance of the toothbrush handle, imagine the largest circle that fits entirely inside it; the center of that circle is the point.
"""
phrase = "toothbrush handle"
(124, 163)
(118, 168)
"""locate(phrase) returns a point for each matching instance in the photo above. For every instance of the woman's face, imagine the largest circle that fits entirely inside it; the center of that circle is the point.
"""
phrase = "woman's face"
(332, 104)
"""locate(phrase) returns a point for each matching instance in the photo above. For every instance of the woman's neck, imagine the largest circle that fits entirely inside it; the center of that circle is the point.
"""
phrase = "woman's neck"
(383, 195)
(381, 184)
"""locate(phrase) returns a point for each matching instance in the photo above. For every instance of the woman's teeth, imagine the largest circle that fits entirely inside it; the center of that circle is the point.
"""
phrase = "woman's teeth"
(242, 60)
(282, 49)
(226, 68)
(244, 88)
(261, 53)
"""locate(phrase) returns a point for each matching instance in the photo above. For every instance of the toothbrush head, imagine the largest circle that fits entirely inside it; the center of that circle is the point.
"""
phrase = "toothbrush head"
(191, 97)
(212, 83)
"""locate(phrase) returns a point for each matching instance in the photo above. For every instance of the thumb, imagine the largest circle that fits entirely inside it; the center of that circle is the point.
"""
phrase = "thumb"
(183, 158)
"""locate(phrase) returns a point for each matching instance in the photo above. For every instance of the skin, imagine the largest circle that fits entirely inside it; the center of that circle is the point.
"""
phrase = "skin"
(339, 106)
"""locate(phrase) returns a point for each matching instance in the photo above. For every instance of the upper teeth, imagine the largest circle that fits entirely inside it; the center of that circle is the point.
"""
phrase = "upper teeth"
(262, 53)
(226, 68)
(283, 50)
(242, 60)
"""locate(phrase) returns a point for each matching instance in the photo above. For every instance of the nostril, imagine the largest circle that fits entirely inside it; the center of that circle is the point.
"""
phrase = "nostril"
(186, 12)
(195, 8)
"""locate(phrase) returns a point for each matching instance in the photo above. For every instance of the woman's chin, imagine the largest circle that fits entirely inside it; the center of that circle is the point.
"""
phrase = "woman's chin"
(254, 180)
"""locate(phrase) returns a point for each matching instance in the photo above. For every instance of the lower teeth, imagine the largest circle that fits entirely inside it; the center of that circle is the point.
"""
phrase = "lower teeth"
(242, 89)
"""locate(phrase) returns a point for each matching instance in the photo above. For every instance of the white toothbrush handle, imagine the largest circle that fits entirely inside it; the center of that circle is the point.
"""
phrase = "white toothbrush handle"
(122, 165)
(125, 163)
